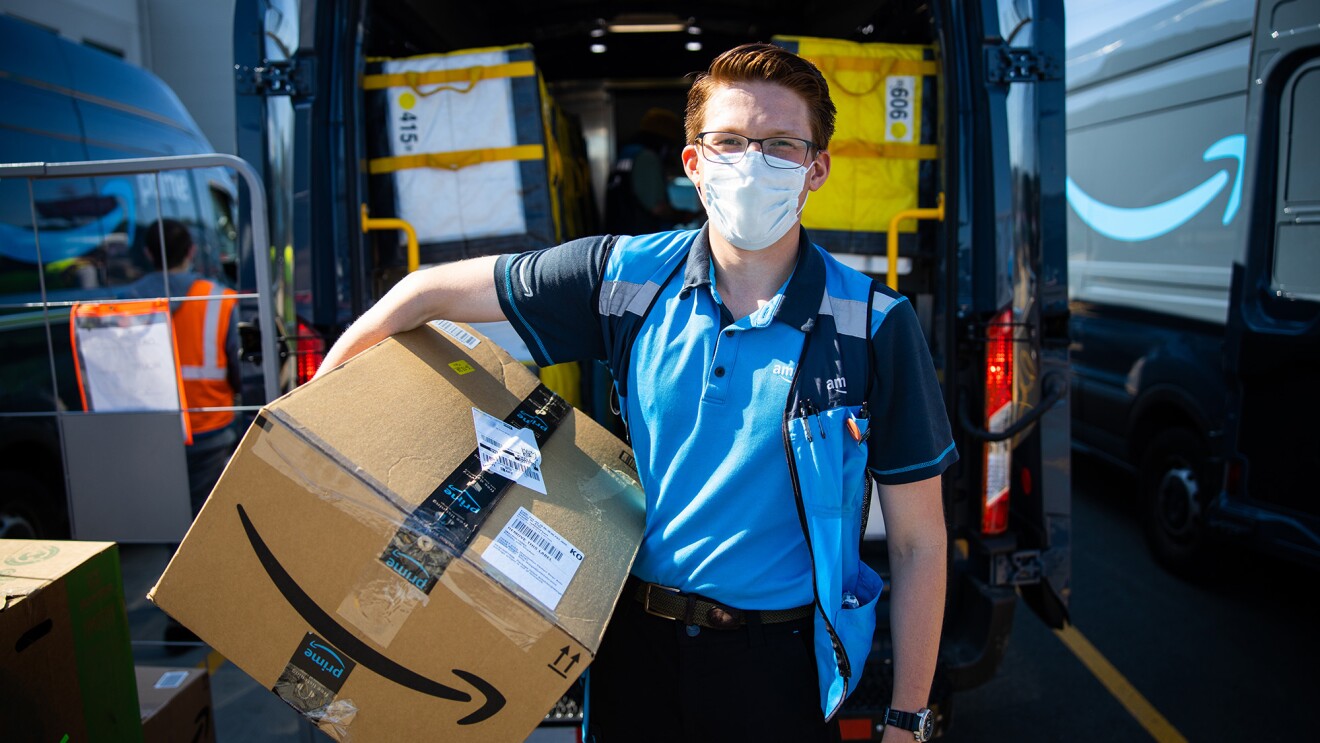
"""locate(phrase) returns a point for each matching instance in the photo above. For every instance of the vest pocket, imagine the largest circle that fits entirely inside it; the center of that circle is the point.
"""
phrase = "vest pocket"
(830, 461)
(856, 626)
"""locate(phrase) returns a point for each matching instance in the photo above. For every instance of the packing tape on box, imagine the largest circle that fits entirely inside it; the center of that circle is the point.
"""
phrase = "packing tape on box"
(445, 523)
(434, 536)
(342, 486)
(427, 538)
(310, 681)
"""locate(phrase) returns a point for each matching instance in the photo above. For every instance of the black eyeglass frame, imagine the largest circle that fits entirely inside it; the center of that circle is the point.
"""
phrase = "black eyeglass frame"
(811, 146)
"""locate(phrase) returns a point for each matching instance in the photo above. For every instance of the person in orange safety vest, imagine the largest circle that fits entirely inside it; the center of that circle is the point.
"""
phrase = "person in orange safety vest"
(206, 336)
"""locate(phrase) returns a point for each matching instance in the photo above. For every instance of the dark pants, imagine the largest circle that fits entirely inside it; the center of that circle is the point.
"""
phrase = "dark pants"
(207, 457)
(652, 681)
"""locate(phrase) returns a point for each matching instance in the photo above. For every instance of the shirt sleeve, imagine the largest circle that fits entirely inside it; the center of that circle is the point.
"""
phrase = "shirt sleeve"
(911, 439)
(549, 297)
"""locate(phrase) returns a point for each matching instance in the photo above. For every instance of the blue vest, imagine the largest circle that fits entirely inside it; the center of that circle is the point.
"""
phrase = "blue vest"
(827, 465)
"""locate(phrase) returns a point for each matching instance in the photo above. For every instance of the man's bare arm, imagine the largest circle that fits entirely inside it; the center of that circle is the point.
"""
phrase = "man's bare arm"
(918, 555)
(462, 292)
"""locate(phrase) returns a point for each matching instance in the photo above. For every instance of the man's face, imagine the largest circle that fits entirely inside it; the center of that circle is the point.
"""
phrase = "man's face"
(756, 110)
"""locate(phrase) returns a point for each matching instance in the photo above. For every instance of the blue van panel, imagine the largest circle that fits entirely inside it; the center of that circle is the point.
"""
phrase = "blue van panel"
(37, 119)
(32, 53)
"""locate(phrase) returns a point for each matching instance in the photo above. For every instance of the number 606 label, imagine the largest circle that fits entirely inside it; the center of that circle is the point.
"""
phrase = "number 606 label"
(900, 100)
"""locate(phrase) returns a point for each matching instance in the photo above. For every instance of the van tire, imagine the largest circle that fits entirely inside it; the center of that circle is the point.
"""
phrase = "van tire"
(1174, 495)
(28, 509)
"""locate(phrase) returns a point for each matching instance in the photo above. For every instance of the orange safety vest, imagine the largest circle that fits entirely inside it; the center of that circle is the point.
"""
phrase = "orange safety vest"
(200, 330)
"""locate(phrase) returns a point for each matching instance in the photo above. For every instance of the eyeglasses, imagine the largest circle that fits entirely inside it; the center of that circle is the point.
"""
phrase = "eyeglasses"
(727, 148)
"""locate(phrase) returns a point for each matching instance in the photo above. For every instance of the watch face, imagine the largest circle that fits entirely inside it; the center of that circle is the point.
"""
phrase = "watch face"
(926, 724)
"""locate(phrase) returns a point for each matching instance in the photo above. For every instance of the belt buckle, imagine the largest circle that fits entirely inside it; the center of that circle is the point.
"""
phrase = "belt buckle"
(646, 603)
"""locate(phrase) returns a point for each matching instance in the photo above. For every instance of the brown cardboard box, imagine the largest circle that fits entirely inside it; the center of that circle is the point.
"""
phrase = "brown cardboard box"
(175, 704)
(357, 559)
(66, 666)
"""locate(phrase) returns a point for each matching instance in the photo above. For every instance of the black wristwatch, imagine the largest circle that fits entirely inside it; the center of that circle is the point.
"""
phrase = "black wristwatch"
(921, 722)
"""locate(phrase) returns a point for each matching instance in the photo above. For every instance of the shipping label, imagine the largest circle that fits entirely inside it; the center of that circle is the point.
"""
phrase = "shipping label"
(535, 557)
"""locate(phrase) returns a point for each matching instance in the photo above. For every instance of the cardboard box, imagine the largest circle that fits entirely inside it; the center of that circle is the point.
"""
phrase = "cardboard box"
(357, 559)
(175, 704)
(66, 666)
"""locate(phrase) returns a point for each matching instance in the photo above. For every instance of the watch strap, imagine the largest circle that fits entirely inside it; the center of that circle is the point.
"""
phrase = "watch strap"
(915, 722)
(900, 719)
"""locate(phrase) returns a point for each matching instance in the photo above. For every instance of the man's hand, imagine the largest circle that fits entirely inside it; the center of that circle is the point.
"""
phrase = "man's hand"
(462, 292)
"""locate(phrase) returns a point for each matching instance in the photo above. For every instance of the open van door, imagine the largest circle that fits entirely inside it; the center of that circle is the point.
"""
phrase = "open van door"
(1273, 347)
(285, 128)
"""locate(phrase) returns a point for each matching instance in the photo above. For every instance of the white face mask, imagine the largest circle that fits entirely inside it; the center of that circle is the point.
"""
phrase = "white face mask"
(751, 203)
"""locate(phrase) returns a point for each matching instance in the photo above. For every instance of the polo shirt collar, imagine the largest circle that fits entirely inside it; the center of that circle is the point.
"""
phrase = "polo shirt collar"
(802, 297)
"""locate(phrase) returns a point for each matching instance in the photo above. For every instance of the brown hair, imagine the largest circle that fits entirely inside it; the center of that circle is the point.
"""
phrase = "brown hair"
(760, 62)
(178, 241)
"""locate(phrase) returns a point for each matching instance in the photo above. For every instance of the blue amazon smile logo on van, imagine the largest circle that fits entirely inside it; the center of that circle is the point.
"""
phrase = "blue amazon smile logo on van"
(1135, 224)
(116, 205)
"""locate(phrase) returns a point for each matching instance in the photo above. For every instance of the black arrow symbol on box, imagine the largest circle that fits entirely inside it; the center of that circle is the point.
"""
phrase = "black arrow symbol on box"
(492, 701)
(563, 653)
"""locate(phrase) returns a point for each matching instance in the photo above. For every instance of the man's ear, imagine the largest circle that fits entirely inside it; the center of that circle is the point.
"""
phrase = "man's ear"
(690, 158)
(816, 178)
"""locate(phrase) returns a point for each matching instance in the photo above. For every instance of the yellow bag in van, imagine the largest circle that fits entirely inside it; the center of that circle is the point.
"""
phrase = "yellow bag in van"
(883, 153)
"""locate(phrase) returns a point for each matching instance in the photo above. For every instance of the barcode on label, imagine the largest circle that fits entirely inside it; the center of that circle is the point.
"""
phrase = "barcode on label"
(520, 526)
(497, 448)
(457, 333)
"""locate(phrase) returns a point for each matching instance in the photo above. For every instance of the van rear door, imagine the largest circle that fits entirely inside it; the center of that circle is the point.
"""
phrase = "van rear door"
(1273, 353)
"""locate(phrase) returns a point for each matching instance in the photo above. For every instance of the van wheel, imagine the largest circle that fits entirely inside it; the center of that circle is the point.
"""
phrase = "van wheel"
(28, 509)
(1174, 496)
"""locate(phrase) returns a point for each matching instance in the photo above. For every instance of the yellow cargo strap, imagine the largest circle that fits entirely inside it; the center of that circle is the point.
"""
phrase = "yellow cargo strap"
(881, 66)
(443, 78)
(937, 213)
(889, 150)
(389, 223)
(456, 160)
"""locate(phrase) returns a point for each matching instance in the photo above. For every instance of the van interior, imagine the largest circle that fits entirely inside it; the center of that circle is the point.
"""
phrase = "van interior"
(606, 66)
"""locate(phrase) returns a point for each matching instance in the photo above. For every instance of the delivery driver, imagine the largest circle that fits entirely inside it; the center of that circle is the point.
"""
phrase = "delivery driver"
(761, 380)
(207, 340)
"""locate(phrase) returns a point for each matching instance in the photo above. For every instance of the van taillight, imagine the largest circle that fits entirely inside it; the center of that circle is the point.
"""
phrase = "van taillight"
(309, 351)
(997, 455)
(1233, 478)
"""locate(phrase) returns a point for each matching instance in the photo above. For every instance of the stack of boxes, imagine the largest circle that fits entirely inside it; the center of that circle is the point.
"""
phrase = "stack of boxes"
(66, 666)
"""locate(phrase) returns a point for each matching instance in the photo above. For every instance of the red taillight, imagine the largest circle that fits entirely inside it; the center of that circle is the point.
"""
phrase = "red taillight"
(855, 728)
(1233, 478)
(309, 351)
(997, 455)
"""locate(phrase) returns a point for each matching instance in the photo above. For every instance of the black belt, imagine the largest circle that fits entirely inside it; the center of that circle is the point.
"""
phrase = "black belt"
(689, 608)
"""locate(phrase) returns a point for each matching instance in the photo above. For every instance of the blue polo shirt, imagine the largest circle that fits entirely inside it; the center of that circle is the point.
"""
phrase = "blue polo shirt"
(706, 402)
